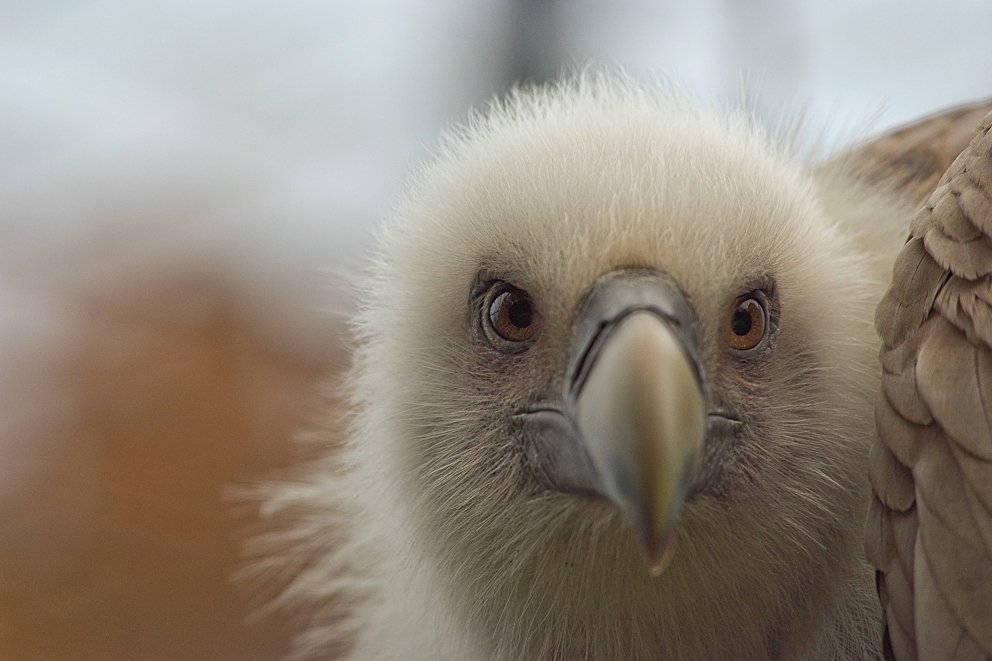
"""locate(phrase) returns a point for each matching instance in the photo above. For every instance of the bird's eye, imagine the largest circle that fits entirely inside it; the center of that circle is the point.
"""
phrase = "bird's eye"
(748, 323)
(508, 317)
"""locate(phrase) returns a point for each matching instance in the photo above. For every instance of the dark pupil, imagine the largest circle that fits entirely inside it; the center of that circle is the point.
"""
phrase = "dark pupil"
(741, 322)
(520, 313)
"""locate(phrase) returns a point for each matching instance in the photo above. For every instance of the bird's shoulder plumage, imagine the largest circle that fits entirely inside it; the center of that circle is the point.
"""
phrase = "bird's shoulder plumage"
(929, 531)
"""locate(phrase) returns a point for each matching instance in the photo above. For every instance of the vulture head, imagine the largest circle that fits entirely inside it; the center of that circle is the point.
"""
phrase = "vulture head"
(612, 395)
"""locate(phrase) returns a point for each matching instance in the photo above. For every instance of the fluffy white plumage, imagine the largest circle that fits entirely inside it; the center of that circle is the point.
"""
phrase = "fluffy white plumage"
(423, 532)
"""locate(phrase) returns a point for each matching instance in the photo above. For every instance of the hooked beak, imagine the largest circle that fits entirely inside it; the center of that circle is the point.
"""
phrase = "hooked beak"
(633, 417)
(640, 413)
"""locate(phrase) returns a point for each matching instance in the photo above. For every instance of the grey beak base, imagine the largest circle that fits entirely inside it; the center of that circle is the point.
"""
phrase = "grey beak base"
(621, 293)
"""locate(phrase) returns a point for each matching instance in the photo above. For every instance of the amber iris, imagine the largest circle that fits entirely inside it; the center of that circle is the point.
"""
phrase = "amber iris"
(746, 327)
(512, 315)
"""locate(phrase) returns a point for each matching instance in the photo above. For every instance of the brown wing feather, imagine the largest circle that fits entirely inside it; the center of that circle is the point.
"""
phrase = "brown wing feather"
(929, 531)
(913, 158)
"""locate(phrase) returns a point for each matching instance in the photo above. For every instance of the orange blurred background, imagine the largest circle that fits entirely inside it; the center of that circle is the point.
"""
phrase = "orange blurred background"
(120, 540)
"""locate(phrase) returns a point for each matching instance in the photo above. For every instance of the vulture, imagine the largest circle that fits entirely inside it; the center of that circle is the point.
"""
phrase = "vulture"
(612, 397)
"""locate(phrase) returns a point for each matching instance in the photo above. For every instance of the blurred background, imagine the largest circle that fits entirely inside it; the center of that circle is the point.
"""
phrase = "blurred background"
(186, 189)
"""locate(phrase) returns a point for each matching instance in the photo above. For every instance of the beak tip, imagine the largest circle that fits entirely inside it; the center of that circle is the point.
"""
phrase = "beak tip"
(659, 542)
(659, 554)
